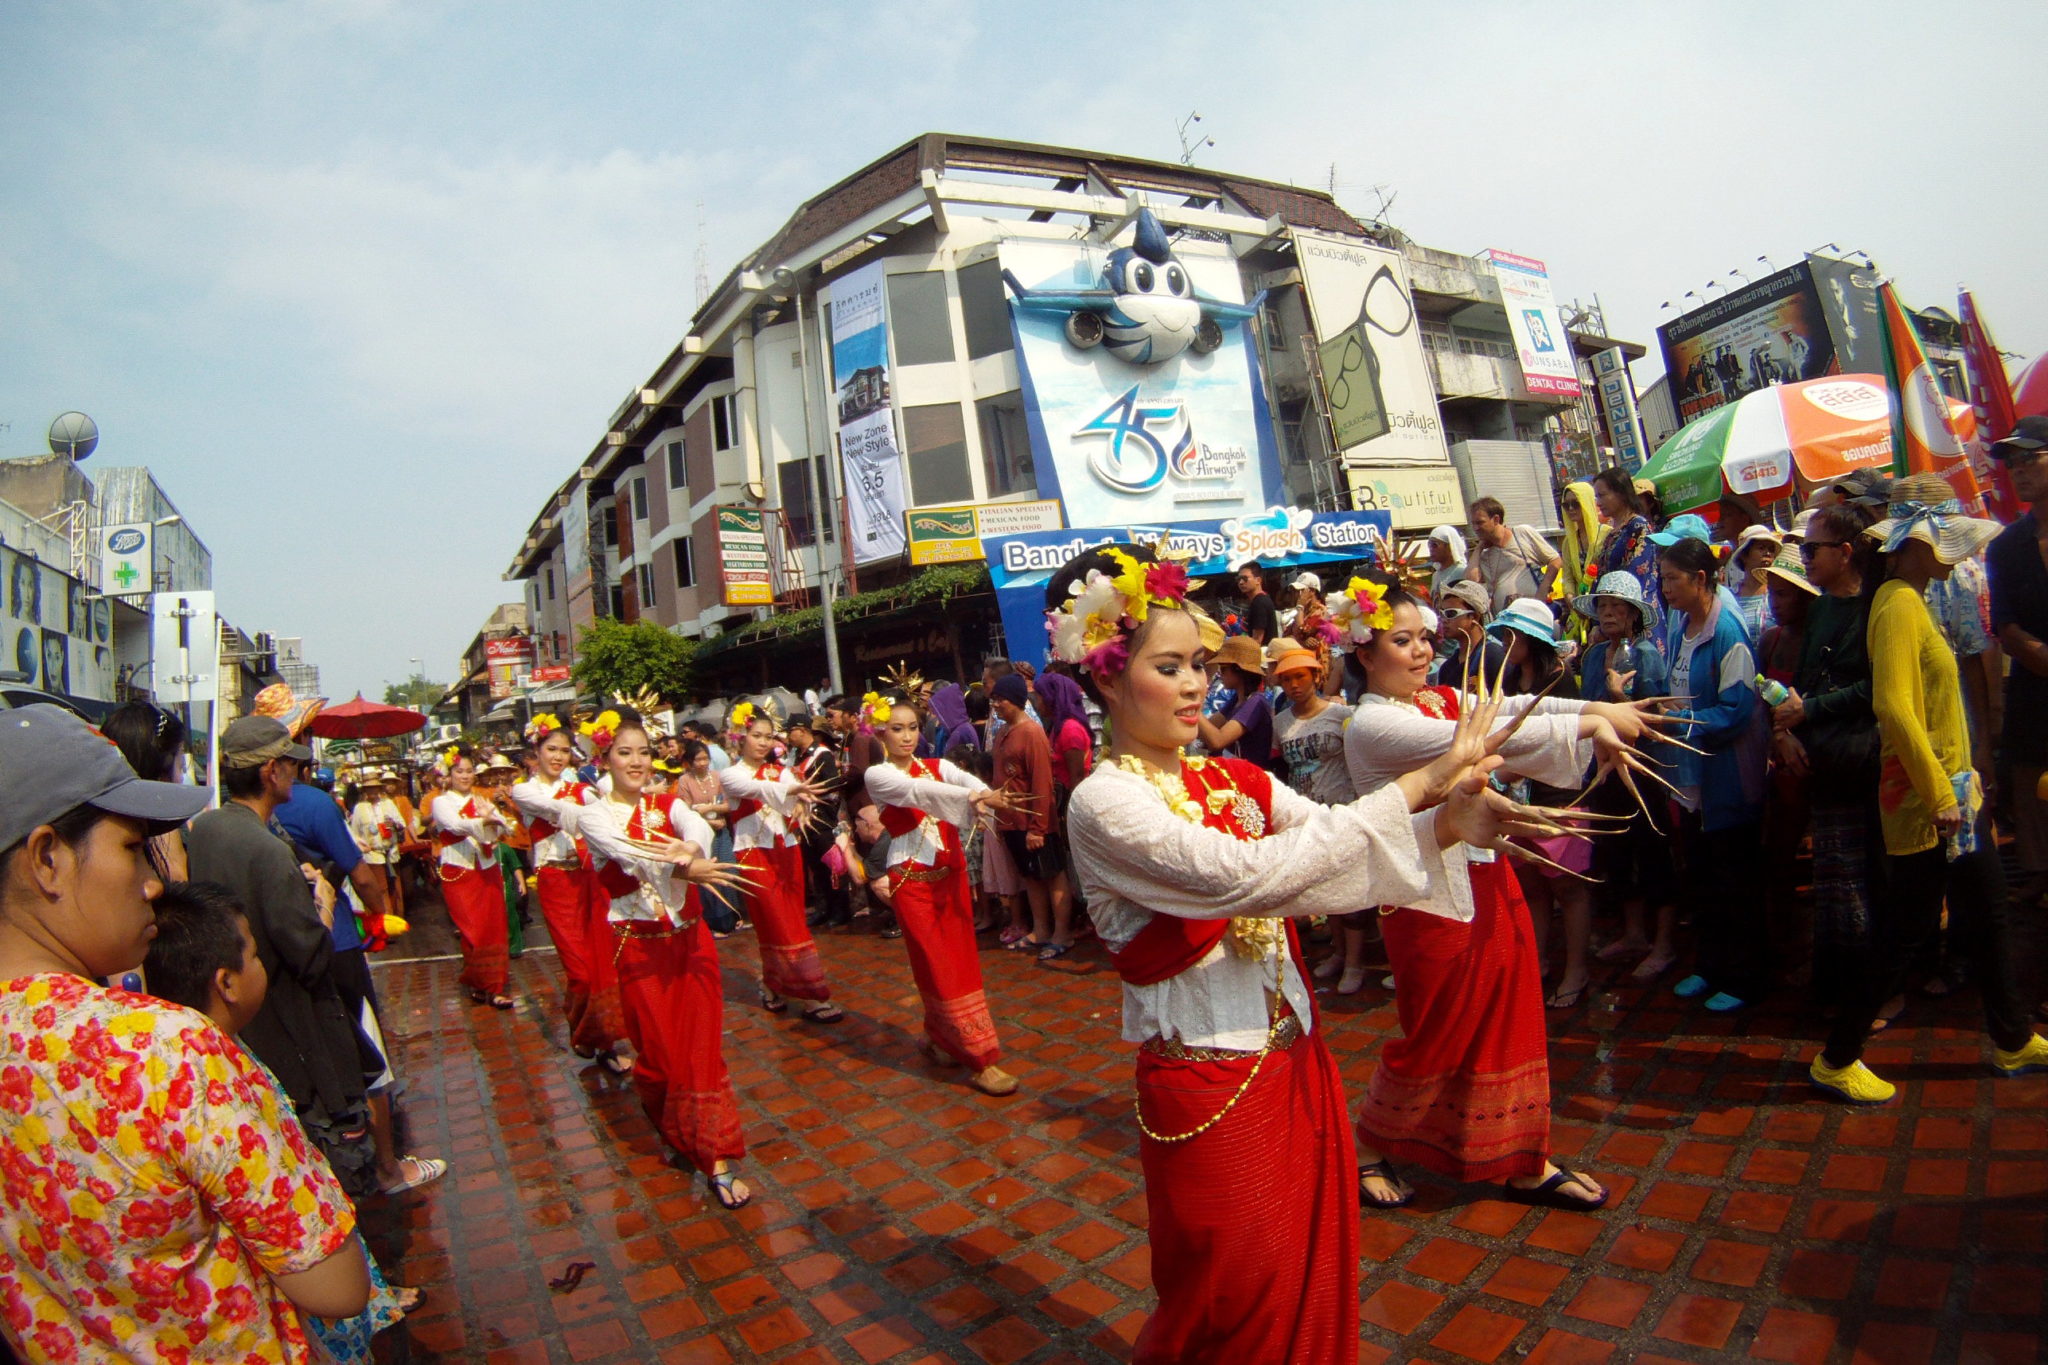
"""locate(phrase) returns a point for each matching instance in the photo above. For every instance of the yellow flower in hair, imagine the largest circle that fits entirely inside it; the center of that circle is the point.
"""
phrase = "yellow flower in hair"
(875, 708)
(1130, 584)
(742, 715)
(450, 756)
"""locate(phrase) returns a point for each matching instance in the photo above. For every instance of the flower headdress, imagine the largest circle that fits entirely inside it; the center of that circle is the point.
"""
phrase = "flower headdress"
(450, 756)
(875, 708)
(540, 727)
(1361, 610)
(600, 730)
(1103, 610)
(741, 717)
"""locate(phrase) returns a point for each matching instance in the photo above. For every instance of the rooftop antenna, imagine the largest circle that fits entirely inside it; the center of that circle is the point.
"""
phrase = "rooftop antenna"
(1189, 148)
(703, 260)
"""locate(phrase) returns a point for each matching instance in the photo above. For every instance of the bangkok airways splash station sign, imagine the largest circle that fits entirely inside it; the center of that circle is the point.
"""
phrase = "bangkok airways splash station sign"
(1020, 565)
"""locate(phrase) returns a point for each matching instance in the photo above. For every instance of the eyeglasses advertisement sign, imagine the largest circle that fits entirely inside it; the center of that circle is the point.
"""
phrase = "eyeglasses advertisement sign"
(1375, 375)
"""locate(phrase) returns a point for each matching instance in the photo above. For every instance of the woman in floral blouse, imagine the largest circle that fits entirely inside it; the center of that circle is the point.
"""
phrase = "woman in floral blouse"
(138, 1145)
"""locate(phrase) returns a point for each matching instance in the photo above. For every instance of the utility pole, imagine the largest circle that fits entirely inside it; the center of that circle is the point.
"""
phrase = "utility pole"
(787, 279)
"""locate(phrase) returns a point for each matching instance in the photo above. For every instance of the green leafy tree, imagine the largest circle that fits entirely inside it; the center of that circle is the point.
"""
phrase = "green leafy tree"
(620, 660)
(414, 691)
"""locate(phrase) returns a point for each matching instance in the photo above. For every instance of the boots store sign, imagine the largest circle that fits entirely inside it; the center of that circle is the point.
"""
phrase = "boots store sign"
(1141, 387)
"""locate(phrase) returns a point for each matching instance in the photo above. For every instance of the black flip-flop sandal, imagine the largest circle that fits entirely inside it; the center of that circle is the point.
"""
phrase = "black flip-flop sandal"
(772, 1002)
(722, 1191)
(1550, 1194)
(1384, 1170)
(825, 1014)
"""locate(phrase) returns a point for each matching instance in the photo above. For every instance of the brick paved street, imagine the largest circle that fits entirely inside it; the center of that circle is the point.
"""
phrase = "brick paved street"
(899, 1216)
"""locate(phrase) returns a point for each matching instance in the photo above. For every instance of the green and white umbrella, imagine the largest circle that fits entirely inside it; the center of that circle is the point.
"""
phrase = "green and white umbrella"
(1789, 438)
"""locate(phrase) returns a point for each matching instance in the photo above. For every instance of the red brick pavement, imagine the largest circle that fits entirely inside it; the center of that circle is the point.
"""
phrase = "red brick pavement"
(899, 1216)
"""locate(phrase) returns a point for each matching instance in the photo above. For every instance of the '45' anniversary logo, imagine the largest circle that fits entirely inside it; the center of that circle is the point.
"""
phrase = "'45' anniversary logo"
(1142, 440)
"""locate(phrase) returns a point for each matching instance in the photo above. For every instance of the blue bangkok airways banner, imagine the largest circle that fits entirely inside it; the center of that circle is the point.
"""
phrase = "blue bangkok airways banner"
(1020, 565)
(1140, 386)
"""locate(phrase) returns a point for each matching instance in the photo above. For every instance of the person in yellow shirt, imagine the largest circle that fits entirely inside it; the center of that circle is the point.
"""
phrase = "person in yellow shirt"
(1937, 833)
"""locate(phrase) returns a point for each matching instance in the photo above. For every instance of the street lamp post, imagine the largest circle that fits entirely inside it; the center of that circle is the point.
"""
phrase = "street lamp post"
(785, 278)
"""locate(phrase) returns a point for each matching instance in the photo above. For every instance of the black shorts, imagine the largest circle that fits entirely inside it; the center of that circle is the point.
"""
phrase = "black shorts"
(1038, 864)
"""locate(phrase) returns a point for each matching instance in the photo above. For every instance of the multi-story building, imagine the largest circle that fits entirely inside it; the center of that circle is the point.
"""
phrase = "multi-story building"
(302, 677)
(892, 307)
(495, 667)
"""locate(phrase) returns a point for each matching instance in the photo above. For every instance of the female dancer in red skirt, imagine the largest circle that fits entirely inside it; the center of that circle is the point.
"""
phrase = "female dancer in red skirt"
(649, 855)
(767, 826)
(551, 802)
(1465, 1091)
(1195, 870)
(924, 804)
(467, 828)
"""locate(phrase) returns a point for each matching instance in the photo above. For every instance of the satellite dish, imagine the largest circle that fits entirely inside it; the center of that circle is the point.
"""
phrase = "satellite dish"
(74, 435)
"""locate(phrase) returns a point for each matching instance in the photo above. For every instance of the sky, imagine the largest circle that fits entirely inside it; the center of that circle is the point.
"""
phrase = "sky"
(362, 280)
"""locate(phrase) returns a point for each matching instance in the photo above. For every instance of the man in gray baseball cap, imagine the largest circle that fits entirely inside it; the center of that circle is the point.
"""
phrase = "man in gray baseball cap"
(251, 741)
(51, 763)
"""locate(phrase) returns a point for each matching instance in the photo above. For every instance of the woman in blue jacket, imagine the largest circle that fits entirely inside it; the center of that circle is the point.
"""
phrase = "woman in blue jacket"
(1713, 675)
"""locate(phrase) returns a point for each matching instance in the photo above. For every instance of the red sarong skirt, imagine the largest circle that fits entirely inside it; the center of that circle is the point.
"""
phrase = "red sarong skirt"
(789, 956)
(476, 905)
(1465, 1090)
(1254, 1224)
(574, 905)
(675, 1014)
(936, 914)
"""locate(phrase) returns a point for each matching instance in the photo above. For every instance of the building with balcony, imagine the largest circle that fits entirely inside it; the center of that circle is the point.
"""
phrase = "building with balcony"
(745, 415)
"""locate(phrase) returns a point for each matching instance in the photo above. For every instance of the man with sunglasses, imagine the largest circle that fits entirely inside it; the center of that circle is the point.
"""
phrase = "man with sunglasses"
(2018, 564)
(1462, 613)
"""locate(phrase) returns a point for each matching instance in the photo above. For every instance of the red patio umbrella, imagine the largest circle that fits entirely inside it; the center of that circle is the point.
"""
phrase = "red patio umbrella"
(360, 719)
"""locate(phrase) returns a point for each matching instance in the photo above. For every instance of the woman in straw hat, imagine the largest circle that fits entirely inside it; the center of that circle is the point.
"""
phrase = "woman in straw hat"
(1622, 663)
(1755, 551)
(1937, 832)
(650, 855)
(1247, 732)
(1196, 869)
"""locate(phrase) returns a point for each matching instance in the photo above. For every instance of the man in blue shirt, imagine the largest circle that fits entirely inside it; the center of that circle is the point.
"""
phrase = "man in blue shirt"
(313, 822)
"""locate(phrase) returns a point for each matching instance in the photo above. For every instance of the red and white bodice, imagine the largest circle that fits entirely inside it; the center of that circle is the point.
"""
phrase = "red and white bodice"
(553, 814)
(924, 808)
(467, 829)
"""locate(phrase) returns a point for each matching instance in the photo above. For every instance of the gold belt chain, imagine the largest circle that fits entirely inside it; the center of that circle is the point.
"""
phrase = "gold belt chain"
(1281, 1034)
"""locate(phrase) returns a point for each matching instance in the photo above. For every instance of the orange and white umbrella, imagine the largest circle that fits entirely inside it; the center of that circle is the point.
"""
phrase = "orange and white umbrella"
(1784, 440)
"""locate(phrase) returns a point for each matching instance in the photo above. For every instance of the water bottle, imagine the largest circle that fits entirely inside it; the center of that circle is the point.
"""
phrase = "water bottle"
(1771, 690)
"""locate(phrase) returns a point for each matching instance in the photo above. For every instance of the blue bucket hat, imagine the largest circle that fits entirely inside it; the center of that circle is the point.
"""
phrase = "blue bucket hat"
(1687, 527)
(1528, 615)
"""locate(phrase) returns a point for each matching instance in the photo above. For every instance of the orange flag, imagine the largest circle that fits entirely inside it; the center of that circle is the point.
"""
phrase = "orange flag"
(1924, 438)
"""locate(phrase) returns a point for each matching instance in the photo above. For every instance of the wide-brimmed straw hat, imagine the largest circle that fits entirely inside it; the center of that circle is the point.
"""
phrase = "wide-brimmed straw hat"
(1241, 652)
(1924, 507)
(1620, 585)
(1793, 571)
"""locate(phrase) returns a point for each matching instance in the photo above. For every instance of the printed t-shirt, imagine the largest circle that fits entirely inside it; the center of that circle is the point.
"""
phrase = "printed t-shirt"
(1313, 750)
(156, 1181)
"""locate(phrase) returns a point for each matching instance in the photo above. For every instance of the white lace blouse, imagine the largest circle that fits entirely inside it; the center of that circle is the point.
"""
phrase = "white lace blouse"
(1135, 858)
(950, 799)
(1386, 738)
(663, 892)
(768, 827)
(477, 824)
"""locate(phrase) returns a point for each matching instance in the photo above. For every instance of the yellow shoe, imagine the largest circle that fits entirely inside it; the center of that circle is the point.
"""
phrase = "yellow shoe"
(1856, 1082)
(394, 925)
(2032, 1056)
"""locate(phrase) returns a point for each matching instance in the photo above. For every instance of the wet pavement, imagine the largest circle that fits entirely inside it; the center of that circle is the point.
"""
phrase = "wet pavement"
(899, 1216)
